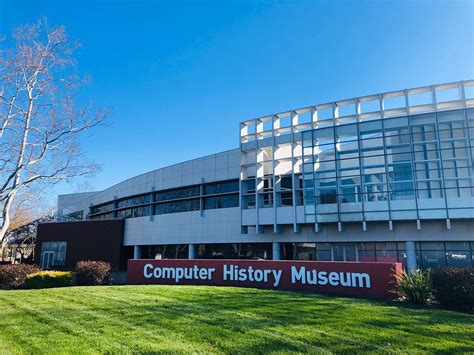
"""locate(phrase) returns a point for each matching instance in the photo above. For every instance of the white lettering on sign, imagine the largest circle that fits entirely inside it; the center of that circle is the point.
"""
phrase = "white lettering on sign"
(178, 273)
(234, 273)
(345, 279)
(249, 274)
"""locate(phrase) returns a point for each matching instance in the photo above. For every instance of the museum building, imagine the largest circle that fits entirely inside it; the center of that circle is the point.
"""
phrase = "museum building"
(385, 177)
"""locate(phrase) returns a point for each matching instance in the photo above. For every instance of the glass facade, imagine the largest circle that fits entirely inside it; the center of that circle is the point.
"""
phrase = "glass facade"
(176, 194)
(380, 158)
(209, 251)
(134, 201)
(420, 164)
(177, 206)
(107, 207)
(440, 254)
(170, 251)
(221, 187)
(225, 201)
(73, 216)
(412, 167)
(429, 254)
(235, 251)
(133, 212)
(364, 252)
(221, 194)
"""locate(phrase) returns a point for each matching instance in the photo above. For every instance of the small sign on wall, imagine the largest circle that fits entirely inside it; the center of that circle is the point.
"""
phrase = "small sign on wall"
(373, 280)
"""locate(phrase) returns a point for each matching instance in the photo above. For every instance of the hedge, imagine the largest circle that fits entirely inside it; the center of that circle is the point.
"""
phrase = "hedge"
(13, 276)
(453, 288)
(48, 279)
(91, 273)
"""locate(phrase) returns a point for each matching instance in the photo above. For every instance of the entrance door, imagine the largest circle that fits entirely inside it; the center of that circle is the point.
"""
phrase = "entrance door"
(47, 260)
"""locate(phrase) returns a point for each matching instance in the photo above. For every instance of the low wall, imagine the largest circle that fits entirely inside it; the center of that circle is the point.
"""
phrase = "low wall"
(371, 280)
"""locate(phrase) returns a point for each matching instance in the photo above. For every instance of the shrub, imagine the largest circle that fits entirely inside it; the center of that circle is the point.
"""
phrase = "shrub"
(415, 286)
(48, 279)
(14, 276)
(453, 288)
(90, 273)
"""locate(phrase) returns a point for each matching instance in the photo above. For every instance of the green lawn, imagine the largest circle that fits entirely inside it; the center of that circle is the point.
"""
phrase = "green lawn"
(183, 319)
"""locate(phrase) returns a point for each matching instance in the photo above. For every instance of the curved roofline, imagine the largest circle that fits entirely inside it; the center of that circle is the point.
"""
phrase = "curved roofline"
(468, 82)
(136, 176)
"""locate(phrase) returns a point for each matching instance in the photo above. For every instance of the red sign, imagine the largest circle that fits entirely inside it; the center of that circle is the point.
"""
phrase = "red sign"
(363, 279)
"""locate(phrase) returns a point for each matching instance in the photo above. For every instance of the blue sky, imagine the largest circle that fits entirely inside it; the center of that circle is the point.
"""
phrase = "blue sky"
(181, 75)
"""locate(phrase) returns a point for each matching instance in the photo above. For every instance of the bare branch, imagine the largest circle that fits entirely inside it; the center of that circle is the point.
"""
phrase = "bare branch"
(40, 125)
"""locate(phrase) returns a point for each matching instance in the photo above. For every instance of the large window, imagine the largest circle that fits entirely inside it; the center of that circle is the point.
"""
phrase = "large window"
(177, 193)
(221, 194)
(134, 201)
(235, 251)
(439, 254)
(248, 194)
(170, 251)
(458, 254)
(225, 201)
(134, 212)
(419, 164)
(102, 208)
(227, 194)
(103, 216)
(284, 191)
(53, 254)
(429, 254)
(177, 206)
(221, 187)
(363, 252)
(432, 254)
(74, 216)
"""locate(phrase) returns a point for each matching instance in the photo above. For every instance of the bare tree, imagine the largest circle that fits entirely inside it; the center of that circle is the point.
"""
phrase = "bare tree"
(27, 211)
(84, 186)
(21, 215)
(40, 120)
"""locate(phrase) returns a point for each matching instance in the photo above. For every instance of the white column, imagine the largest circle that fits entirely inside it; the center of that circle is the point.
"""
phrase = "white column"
(137, 252)
(192, 251)
(411, 256)
(276, 251)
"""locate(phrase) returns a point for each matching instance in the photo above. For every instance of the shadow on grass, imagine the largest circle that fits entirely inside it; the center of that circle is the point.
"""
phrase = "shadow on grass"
(239, 320)
(362, 324)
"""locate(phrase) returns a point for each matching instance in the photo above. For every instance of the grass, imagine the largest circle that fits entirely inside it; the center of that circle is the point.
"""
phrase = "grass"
(183, 319)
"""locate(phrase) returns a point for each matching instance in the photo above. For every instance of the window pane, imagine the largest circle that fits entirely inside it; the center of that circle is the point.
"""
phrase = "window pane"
(351, 253)
(226, 201)
(323, 251)
(304, 251)
(55, 252)
(221, 187)
(386, 246)
(177, 206)
(389, 256)
(458, 258)
(432, 246)
(433, 259)
(338, 252)
(138, 200)
(102, 208)
(248, 186)
(457, 246)
(323, 255)
(177, 193)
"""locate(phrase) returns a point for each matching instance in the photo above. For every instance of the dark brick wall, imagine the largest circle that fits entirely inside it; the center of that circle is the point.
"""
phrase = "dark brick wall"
(87, 240)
